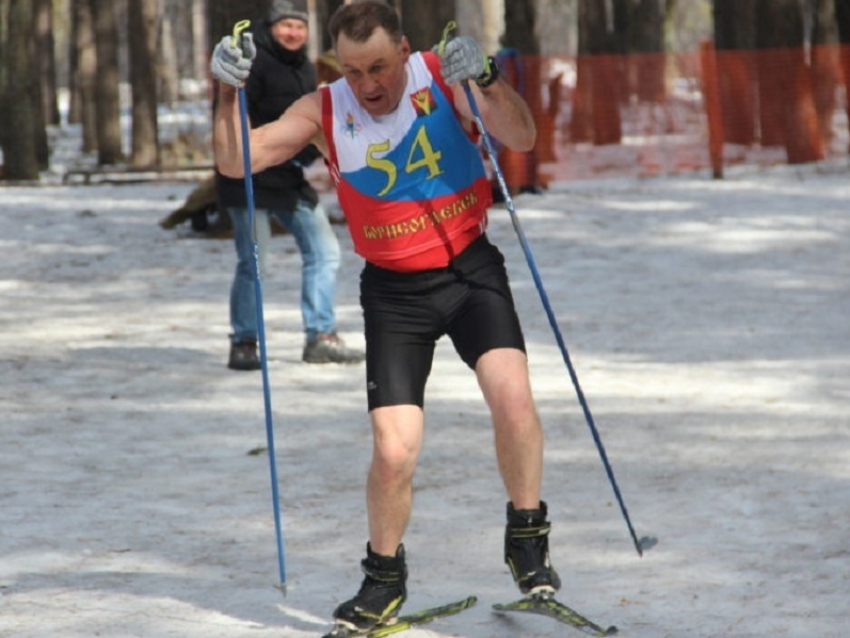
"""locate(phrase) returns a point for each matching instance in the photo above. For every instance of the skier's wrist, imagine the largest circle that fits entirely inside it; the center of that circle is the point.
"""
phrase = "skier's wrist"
(227, 91)
(490, 73)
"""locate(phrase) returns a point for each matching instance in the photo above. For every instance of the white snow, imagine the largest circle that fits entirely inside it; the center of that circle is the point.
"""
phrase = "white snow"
(707, 322)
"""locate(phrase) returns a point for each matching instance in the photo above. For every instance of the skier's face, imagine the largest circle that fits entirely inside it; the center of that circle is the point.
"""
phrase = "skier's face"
(374, 70)
(290, 33)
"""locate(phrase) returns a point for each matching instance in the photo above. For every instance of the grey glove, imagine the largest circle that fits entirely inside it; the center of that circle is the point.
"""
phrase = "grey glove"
(231, 64)
(463, 59)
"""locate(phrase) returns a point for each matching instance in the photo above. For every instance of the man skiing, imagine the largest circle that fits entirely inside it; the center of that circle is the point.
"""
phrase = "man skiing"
(398, 135)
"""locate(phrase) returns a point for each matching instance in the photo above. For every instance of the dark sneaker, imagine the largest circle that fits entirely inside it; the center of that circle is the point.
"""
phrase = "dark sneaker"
(243, 356)
(327, 347)
(381, 595)
(527, 551)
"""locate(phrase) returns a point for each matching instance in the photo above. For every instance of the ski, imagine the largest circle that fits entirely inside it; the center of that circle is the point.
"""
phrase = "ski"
(548, 606)
(404, 622)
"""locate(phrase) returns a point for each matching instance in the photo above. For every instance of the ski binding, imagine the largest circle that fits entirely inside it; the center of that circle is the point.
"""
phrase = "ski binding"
(402, 623)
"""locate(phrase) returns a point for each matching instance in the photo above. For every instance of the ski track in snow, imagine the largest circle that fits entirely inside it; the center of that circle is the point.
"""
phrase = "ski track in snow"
(707, 322)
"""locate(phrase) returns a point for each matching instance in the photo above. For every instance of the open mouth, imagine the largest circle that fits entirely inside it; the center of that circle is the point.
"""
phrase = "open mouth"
(373, 102)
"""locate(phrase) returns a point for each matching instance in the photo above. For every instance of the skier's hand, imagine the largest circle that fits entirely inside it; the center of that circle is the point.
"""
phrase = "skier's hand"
(462, 59)
(231, 63)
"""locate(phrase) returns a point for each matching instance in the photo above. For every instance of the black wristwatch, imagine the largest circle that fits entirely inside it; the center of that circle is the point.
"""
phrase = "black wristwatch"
(490, 75)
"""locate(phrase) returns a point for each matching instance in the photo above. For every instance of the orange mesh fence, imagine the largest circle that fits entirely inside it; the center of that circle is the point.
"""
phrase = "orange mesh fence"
(645, 115)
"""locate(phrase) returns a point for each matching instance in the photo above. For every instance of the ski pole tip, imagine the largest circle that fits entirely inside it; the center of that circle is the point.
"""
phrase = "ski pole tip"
(646, 543)
(282, 588)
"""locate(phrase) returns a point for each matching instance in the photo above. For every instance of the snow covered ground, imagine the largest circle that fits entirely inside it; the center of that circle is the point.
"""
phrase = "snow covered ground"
(707, 321)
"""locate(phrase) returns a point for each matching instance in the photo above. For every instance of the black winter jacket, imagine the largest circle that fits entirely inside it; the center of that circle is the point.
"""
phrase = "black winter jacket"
(278, 78)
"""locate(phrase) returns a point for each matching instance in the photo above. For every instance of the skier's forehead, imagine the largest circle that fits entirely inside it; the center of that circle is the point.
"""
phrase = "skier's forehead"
(380, 48)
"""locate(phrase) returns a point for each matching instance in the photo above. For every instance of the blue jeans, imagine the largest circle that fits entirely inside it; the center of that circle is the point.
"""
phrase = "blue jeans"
(320, 255)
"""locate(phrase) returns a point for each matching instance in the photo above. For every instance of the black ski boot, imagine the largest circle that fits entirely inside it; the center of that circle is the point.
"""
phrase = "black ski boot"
(527, 551)
(381, 595)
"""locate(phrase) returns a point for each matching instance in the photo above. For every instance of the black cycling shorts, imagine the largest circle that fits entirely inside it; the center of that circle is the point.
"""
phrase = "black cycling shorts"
(406, 313)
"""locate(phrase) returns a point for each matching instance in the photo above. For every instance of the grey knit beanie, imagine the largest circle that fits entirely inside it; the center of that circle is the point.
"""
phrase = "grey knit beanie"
(281, 9)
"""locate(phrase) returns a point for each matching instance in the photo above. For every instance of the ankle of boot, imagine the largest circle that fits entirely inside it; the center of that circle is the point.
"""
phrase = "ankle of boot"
(526, 518)
(385, 568)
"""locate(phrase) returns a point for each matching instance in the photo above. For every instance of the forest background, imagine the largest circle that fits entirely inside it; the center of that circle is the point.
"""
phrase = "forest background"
(597, 72)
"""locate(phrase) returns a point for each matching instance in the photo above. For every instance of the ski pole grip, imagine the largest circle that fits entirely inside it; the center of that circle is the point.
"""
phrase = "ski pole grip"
(238, 28)
(447, 31)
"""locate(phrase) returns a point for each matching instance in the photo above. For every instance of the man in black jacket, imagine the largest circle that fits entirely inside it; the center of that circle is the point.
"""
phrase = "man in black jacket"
(280, 75)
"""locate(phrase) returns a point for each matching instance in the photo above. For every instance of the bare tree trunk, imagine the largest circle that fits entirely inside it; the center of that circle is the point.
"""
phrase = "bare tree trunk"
(199, 40)
(774, 39)
(645, 36)
(107, 97)
(4, 72)
(842, 18)
(735, 39)
(167, 59)
(423, 22)
(826, 64)
(61, 18)
(223, 14)
(37, 88)
(521, 34)
(483, 20)
(143, 50)
(788, 117)
(21, 72)
(86, 72)
(46, 60)
(324, 10)
(181, 22)
(596, 109)
(74, 115)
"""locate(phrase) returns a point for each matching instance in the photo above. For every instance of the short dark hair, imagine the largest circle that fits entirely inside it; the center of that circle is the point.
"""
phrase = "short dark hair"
(359, 19)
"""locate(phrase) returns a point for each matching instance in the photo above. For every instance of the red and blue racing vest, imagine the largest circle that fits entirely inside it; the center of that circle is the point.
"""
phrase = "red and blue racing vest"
(411, 183)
